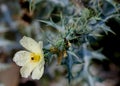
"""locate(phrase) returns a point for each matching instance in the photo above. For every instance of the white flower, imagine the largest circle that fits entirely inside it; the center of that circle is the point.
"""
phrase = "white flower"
(32, 61)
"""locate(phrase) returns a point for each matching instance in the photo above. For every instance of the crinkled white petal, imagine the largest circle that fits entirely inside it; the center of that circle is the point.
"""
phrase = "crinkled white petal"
(27, 69)
(21, 57)
(30, 44)
(37, 72)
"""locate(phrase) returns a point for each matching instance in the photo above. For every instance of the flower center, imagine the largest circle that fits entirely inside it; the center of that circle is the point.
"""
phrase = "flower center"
(35, 57)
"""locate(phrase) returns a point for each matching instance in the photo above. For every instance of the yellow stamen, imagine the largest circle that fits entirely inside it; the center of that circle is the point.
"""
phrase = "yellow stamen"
(35, 57)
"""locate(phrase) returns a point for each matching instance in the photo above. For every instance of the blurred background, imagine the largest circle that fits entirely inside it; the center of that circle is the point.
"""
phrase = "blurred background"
(21, 17)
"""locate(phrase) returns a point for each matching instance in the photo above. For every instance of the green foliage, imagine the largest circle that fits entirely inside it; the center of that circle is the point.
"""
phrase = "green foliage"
(80, 32)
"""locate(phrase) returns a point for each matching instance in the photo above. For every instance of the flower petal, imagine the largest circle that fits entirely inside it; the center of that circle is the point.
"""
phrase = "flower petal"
(21, 57)
(38, 71)
(30, 44)
(27, 69)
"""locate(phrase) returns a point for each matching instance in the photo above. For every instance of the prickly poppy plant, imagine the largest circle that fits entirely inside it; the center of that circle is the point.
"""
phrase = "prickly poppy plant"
(61, 33)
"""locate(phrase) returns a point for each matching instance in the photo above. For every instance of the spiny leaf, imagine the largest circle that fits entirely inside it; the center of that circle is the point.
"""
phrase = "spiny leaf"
(108, 8)
(106, 29)
(69, 61)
